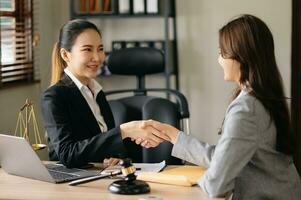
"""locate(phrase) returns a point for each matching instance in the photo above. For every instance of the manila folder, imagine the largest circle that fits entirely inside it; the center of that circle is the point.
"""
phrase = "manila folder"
(183, 176)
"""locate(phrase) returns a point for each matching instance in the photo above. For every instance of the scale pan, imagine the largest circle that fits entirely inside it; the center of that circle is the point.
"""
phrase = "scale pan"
(37, 147)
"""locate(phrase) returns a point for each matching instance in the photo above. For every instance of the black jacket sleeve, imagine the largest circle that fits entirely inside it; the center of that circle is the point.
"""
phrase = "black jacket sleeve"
(71, 139)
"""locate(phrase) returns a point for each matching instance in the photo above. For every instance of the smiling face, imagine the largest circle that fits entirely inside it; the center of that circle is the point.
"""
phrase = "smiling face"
(231, 69)
(86, 56)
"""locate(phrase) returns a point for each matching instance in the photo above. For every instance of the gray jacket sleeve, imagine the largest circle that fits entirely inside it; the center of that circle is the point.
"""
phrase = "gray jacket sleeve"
(232, 153)
(192, 150)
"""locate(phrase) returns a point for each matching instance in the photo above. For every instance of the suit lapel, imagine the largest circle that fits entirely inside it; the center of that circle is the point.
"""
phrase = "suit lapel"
(81, 107)
(105, 110)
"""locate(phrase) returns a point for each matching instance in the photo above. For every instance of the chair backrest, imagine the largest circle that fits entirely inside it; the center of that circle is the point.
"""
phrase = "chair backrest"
(139, 105)
(138, 61)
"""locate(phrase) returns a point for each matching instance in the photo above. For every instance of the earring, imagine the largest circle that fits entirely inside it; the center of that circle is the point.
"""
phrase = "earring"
(220, 130)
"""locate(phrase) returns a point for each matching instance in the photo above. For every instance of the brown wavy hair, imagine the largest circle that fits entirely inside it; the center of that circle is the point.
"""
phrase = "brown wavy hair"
(248, 40)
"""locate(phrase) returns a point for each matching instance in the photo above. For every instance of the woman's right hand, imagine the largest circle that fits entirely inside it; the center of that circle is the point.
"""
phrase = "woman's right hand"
(140, 129)
(169, 131)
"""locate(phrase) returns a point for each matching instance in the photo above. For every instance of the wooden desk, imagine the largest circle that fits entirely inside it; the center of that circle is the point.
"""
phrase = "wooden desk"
(14, 187)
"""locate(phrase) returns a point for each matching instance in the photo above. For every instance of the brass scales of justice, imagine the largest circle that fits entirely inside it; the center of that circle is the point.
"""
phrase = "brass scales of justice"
(28, 123)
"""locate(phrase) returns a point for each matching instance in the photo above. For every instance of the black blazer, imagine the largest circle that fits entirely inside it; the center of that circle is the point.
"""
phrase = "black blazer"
(74, 134)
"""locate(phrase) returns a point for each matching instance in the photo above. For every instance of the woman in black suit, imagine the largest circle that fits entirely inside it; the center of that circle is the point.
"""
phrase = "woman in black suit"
(76, 114)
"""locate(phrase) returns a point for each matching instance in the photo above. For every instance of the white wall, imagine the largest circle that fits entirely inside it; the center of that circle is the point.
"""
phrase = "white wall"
(201, 78)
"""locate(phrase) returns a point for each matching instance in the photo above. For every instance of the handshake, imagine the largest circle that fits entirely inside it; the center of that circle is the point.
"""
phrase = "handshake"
(148, 133)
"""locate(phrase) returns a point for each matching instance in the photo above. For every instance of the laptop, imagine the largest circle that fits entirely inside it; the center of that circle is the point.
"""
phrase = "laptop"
(18, 158)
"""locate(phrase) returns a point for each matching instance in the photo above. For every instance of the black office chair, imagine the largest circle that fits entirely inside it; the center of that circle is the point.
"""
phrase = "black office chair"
(139, 105)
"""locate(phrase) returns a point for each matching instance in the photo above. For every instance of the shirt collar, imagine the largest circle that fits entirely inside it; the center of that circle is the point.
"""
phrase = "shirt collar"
(93, 84)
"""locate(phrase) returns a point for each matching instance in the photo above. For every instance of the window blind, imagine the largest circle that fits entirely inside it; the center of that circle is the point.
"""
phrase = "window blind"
(16, 52)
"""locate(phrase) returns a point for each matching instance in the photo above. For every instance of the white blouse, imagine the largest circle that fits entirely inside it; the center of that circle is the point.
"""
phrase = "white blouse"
(90, 93)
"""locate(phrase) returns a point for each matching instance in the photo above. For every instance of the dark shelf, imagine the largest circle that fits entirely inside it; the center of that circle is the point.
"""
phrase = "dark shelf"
(166, 9)
(110, 15)
(166, 12)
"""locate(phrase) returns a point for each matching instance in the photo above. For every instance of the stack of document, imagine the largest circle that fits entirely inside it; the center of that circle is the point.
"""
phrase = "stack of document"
(140, 167)
(149, 167)
(183, 176)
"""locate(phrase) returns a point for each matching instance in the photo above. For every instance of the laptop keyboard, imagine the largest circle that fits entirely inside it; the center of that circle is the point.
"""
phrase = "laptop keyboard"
(61, 168)
(61, 176)
(61, 173)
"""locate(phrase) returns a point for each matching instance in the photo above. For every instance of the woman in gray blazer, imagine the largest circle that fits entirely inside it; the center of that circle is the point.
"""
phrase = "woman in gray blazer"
(254, 154)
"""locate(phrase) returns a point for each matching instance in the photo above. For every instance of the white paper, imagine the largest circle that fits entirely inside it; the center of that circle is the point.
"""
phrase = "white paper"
(138, 6)
(124, 6)
(142, 167)
(152, 6)
(149, 167)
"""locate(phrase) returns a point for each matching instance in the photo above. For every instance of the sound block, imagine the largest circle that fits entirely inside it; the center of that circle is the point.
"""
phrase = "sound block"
(129, 187)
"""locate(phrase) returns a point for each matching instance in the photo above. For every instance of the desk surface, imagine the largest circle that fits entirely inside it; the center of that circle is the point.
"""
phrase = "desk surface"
(14, 187)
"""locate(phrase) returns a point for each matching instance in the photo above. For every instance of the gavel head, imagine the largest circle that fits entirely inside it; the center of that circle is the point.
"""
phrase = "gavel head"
(128, 170)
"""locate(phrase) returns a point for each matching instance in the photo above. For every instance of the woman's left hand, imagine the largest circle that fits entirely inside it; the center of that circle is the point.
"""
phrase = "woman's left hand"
(111, 161)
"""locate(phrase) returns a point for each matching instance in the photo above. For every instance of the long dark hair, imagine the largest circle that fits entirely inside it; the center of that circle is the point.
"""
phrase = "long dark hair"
(68, 35)
(248, 40)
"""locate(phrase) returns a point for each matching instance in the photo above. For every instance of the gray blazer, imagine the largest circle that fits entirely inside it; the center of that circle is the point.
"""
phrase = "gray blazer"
(244, 160)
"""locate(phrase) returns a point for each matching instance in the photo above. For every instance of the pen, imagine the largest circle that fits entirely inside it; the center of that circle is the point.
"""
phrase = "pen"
(92, 178)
